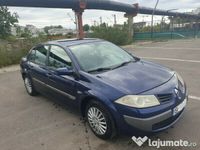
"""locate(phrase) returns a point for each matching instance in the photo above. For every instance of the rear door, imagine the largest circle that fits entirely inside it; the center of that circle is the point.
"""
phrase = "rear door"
(37, 66)
(62, 85)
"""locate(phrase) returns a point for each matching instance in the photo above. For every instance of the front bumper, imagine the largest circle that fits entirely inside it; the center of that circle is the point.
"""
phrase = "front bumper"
(154, 124)
(158, 122)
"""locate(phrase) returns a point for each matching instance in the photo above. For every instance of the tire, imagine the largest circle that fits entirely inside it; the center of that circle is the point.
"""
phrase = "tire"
(100, 120)
(29, 86)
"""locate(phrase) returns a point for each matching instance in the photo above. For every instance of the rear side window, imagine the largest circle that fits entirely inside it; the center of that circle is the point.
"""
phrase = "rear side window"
(58, 58)
(39, 55)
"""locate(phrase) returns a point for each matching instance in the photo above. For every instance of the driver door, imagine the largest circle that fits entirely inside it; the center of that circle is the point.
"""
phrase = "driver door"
(60, 85)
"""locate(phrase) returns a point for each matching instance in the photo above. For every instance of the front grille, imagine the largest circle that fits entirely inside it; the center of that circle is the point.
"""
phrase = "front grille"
(164, 97)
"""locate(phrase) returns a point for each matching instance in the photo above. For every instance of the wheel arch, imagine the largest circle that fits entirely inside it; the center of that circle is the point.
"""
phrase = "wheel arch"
(92, 95)
(84, 102)
(104, 101)
(23, 75)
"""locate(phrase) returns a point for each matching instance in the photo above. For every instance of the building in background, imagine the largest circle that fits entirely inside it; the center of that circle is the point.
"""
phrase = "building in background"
(35, 32)
(14, 31)
(196, 11)
(31, 29)
(140, 24)
(60, 31)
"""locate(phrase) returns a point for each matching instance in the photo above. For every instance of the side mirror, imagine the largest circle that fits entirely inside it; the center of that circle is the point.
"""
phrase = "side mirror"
(64, 71)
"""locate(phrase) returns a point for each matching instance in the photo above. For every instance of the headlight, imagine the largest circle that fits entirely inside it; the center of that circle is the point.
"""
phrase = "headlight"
(180, 83)
(139, 101)
(180, 79)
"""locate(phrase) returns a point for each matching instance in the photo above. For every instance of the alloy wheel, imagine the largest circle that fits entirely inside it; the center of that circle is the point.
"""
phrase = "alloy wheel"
(97, 121)
(28, 85)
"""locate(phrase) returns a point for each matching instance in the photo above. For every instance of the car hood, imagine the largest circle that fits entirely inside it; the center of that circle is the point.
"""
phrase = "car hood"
(136, 77)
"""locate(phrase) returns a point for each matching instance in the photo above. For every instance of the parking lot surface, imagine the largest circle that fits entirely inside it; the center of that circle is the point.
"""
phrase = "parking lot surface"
(38, 123)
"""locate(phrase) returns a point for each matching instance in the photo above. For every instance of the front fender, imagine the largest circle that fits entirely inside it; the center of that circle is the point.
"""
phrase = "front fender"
(91, 94)
(108, 104)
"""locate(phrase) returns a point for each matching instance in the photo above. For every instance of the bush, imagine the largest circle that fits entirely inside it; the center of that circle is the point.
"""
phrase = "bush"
(112, 34)
(9, 57)
(12, 51)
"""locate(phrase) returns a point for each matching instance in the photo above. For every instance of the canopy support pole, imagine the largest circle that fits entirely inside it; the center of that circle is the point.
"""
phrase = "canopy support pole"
(79, 17)
(130, 22)
(80, 31)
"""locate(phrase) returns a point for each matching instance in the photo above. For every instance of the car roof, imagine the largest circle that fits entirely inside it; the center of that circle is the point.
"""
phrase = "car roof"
(72, 42)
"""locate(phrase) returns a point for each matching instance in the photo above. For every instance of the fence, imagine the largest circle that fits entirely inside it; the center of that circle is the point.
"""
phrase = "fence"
(179, 34)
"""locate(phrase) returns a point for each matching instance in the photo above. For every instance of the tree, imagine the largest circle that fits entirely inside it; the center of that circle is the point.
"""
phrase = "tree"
(112, 34)
(86, 27)
(18, 30)
(59, 27)
(26, 33)
(103, 25)
(7, 20)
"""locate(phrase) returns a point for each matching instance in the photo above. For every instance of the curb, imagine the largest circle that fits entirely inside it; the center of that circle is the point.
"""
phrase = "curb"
(9, 69)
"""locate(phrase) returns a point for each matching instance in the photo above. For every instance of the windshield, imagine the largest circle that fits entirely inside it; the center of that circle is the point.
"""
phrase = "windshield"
(100, 55)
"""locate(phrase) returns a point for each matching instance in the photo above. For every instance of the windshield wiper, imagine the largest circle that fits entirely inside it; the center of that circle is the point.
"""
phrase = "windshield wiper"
(100, 69)
(111, 68)
(124, 63)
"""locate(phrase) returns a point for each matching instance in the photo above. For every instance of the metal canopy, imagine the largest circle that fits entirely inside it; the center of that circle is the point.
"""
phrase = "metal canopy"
(80, 5)
(93, 4)
(73, 4)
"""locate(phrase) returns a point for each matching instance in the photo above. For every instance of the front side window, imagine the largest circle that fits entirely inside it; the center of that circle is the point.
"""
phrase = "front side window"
(58, 58)
(92, 56)
(39, 55)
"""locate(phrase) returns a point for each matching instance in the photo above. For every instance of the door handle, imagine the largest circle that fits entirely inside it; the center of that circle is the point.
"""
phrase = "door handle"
(49, 74)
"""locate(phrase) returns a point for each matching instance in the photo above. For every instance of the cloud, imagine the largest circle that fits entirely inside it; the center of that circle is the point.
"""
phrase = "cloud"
(41, 17)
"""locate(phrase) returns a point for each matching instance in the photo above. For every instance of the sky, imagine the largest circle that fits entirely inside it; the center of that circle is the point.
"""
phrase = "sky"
(41, 17)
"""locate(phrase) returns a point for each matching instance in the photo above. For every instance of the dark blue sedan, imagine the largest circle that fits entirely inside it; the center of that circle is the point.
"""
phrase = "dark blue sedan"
(115, 91)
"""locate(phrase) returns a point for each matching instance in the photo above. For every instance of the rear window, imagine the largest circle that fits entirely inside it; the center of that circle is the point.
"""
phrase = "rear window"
(39, 55)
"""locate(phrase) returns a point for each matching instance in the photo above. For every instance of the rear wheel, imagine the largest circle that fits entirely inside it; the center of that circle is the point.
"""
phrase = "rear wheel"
(29, 86)
(100, 120)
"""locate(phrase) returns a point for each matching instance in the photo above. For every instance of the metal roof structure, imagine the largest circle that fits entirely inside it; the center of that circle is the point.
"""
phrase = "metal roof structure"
(80, 5)
(92, 4)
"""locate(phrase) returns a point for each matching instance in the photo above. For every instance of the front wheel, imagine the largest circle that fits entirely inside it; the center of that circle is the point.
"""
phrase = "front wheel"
(29, 86)
(100, 120)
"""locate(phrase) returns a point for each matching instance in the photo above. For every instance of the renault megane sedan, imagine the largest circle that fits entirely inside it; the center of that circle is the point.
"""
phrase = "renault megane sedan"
(115, 91)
